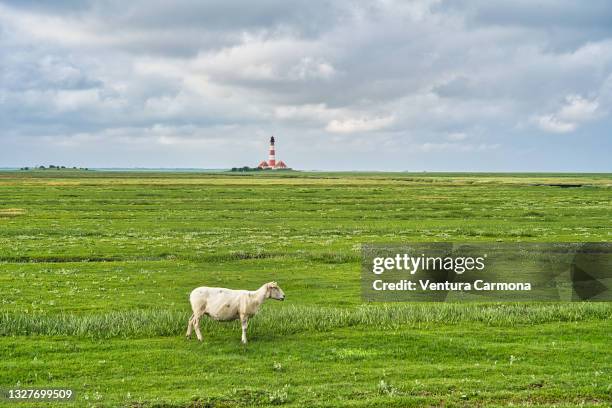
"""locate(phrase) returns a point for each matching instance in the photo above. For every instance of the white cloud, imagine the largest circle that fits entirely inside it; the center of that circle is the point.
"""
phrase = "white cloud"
(356, 125)
(313, 112)
(309, 68)
(259, 58)
(456, 136)
(574, 112)
(550, 123)
(64, 30)
(456, 147)
(71, 100)
(578, 109)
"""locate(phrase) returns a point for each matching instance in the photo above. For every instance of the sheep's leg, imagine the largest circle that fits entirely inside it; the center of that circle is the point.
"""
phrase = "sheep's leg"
(245, 323)
(196, 325)
(189, 326)
(198, 308)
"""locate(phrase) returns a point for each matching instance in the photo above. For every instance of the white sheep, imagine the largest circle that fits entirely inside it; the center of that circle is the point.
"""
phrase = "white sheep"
(228, 304)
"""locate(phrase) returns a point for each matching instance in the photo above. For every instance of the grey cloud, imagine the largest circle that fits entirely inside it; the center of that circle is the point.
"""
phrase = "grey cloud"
(541, 14)
(186, 27)
(22, 71)
(569, 23)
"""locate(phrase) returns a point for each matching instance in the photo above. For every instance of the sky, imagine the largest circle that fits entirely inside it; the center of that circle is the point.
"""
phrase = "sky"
(431, 85)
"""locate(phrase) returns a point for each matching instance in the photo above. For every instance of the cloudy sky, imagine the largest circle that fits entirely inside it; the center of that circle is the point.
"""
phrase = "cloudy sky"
(522, 85)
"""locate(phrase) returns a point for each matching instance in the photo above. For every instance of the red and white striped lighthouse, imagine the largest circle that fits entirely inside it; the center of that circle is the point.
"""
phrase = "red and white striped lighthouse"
(272, 155)
(271, 163)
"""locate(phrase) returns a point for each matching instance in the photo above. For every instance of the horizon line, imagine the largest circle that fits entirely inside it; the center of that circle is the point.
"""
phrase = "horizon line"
(307, 170)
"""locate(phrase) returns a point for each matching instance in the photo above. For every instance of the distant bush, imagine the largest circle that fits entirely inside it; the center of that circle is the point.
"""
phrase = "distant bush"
(53, 167)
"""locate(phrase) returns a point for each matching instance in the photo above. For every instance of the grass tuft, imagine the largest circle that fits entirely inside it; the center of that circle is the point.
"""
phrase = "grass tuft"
(295, 319)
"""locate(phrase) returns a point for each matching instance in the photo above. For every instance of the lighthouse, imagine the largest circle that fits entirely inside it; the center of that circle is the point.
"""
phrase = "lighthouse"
(271, 163)
(272, 155)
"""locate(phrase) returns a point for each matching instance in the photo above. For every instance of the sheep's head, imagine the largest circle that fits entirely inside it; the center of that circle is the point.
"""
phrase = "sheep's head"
(275, 292)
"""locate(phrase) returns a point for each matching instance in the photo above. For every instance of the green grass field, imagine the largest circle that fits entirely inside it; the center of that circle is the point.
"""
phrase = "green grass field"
(96, 268)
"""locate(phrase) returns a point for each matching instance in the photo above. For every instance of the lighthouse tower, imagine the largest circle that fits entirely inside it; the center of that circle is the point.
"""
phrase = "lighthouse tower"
(271, 163)
(272, 155)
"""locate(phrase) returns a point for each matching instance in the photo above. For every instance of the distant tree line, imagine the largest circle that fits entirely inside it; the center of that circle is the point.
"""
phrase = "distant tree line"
(246, 168)
(53, 167)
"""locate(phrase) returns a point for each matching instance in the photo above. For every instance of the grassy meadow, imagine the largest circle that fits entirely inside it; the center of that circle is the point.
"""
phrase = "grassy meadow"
(96, 268)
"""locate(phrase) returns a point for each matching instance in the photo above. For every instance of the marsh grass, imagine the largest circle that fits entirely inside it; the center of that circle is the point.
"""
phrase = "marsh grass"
(96, 268)
(295, 319)
(228, 256)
